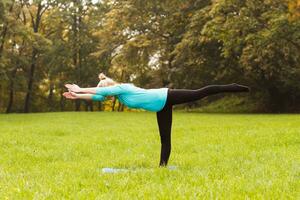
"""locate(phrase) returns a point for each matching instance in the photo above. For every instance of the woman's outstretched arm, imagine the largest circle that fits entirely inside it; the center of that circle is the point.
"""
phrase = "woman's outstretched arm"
(77, 89)
(94, 97)
(104, 91)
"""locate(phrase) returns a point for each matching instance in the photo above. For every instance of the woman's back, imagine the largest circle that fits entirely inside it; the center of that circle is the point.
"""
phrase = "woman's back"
(135, 97)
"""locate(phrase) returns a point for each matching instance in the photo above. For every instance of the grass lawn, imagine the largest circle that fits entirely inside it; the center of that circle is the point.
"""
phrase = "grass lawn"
(218, 156)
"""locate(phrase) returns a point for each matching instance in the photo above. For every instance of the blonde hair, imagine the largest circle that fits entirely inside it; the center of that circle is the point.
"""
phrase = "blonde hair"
(105, 81)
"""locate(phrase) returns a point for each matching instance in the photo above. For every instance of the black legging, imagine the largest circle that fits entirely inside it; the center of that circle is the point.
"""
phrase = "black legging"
(179, 96)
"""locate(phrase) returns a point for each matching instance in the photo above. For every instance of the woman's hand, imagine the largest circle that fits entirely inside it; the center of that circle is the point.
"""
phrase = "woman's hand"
(70, 95)
(73, 88)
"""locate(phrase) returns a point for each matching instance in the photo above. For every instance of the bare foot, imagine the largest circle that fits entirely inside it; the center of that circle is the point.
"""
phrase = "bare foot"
(241, 88)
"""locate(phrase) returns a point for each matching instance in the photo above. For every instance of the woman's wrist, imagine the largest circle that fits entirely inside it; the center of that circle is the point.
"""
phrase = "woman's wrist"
(87, 90)
(82, 90)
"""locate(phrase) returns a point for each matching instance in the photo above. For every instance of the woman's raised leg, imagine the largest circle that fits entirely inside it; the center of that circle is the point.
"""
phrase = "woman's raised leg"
(179, 96)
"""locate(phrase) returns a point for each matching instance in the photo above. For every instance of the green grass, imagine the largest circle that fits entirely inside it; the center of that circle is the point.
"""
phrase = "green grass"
(218, 156)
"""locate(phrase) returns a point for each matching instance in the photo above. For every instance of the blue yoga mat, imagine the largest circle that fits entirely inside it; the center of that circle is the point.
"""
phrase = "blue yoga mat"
(109, 170)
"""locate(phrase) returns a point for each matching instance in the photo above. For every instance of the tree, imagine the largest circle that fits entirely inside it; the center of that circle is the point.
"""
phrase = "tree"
(36, 12)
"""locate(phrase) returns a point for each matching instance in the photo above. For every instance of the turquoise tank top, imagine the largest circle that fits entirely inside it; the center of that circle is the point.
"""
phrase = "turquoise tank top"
(134, 97)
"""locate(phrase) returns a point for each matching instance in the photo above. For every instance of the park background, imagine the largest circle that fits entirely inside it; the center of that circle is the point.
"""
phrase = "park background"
(169, 43)
(55, 153)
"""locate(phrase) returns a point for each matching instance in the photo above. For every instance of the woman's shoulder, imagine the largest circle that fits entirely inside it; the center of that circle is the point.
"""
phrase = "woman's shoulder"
(129, 86)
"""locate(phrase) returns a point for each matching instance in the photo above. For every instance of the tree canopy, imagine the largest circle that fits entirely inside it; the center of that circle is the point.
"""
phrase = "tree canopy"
(155, 43)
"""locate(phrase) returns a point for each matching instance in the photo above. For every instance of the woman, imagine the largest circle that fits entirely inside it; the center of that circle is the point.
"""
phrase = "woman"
(159, 100)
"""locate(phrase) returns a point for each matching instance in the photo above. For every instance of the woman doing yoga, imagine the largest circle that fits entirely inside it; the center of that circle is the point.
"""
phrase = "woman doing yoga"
(159, 100)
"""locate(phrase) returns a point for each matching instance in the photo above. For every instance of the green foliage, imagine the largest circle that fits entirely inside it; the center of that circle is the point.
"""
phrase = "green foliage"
(254, 42)
(294, 8)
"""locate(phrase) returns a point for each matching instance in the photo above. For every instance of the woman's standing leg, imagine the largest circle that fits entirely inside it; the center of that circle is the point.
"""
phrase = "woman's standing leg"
(164, 120)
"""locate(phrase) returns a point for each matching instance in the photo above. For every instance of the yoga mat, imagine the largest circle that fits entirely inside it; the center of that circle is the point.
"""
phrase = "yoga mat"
(109, 170)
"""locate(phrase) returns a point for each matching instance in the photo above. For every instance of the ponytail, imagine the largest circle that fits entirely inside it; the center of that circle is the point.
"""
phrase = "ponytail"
(105, 81)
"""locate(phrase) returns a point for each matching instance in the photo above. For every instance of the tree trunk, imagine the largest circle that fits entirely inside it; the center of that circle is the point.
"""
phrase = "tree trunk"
(50, 96)
(77, 104)
(30, 81)
(11, 91)
(62, 100)
(86, 103)
(120, 107)
(1, 94)
(91, 105)
(11, 83)
(99, 106)
(276, 100)
(13, 78)
(113, 104)
(11, 98)
(35, 24)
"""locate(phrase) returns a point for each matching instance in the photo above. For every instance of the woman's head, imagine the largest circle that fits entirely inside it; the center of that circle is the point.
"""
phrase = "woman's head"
(105, 81)
(101, 76)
